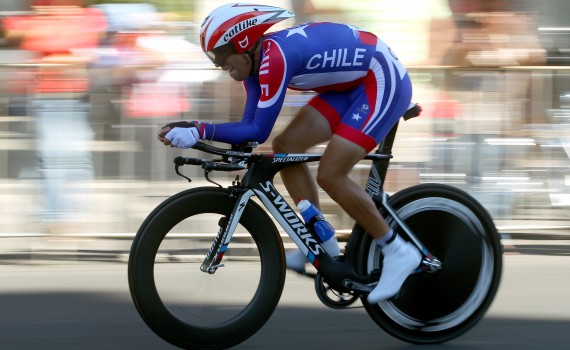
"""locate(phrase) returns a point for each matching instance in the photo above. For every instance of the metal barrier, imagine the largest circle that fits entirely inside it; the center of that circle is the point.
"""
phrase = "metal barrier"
(499, 133)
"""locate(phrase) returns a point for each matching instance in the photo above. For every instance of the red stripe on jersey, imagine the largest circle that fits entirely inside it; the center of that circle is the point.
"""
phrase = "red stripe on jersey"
(330, 114)
(367, 38)
(272, 72)
(355, 136)
(371, 90)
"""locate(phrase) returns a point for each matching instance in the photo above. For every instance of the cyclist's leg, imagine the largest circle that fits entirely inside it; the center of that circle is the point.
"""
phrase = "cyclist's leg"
(377, 106)
(364, 116)
(308, 128)
(340, 157)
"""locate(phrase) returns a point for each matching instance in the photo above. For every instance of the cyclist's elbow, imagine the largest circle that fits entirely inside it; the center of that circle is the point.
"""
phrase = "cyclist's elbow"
(260, 136)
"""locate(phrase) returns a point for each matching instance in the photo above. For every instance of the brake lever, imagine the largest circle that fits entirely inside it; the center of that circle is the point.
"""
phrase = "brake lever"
(206, 175)
(179, 173)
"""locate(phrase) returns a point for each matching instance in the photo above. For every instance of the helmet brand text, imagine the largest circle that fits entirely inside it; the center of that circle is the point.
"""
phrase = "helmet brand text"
(238, 28)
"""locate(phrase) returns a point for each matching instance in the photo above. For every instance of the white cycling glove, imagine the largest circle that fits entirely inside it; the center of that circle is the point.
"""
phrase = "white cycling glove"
(182, 137)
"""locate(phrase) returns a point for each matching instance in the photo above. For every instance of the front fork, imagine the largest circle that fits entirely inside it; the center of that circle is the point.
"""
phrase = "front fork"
(227, 226)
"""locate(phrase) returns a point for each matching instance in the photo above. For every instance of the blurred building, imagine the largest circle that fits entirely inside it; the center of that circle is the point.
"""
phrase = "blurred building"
(493, 77)
(14, 5)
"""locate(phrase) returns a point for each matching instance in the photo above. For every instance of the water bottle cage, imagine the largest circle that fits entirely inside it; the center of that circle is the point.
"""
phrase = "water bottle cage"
(311, 227)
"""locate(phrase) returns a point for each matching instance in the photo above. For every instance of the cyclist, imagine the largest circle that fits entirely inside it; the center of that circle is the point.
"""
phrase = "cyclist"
(363, 90)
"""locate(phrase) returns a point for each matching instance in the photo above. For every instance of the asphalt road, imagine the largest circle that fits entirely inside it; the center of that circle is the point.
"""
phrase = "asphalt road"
(84, 305)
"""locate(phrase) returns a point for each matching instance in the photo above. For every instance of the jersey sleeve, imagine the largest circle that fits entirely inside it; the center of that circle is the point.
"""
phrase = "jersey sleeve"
(265, 95)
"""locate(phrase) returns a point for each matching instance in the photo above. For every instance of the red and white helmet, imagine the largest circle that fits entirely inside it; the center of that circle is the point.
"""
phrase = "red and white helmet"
(236, 28)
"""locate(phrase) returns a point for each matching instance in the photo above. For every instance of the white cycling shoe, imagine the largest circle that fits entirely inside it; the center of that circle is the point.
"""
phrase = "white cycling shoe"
(296, 260)
(401, 259)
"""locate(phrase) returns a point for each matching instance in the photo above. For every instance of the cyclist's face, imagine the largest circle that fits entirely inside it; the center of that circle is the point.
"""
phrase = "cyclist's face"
(238, 66)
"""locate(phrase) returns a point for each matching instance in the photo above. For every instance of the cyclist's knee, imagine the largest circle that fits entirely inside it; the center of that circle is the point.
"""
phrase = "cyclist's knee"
(287, 142)
(280, 144)
(328, 181)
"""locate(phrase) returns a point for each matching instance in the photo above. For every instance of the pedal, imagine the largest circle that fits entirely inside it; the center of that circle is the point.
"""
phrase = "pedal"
(430, 264)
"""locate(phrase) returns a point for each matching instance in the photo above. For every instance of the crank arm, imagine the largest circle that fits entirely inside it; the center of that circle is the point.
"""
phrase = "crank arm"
(359, 287)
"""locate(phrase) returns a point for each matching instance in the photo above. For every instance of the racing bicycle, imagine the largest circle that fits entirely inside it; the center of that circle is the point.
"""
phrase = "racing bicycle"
(207, 268)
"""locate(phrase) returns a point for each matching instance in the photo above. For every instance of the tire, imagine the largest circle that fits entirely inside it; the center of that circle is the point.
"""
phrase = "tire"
(195, 309)
(455, 228)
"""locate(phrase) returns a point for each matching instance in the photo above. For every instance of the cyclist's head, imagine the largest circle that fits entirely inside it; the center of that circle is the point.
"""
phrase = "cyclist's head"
(237, 28)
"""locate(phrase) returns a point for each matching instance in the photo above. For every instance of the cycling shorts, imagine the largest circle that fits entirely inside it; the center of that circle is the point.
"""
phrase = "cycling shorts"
(364, 115)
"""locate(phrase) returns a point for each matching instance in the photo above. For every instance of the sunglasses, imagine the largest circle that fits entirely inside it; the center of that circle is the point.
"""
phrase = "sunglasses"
(219, 55)
(216, 59)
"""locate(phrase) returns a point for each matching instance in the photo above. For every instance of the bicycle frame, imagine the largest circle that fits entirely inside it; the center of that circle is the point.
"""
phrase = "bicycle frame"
(465, 237)
(258, 181)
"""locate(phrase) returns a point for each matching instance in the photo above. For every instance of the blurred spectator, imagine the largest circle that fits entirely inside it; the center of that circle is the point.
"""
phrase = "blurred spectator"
(147, 98)
(312, 11)
(491, 35)
(143, 55)
(304, 11)
(60, 32)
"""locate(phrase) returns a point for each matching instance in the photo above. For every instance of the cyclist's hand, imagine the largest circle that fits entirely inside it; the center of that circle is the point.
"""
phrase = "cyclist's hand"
(183, 137)
(168, 127)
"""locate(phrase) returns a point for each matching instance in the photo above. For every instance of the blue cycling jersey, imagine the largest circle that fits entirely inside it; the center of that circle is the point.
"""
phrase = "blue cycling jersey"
(321, 57)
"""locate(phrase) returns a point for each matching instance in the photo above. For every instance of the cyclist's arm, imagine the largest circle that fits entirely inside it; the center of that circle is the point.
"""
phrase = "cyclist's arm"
(265, 96)
(256, 123)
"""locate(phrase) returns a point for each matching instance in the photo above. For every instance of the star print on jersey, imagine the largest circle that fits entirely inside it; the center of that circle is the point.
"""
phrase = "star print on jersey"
(354, 29)
(356, 116)
(297, 30)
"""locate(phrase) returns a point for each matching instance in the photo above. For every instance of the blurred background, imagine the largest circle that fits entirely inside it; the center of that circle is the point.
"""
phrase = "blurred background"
(86, 85)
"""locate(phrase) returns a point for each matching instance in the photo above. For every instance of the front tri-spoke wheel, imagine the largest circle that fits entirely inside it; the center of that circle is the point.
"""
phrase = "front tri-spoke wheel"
(198, 297)
(194, 309)
(436, 307)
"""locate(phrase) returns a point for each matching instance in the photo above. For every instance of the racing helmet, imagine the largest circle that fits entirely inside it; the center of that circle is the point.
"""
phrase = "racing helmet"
(237, 28)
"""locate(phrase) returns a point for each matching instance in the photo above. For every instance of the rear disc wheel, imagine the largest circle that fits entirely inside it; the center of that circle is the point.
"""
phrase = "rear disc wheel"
(436, 307)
